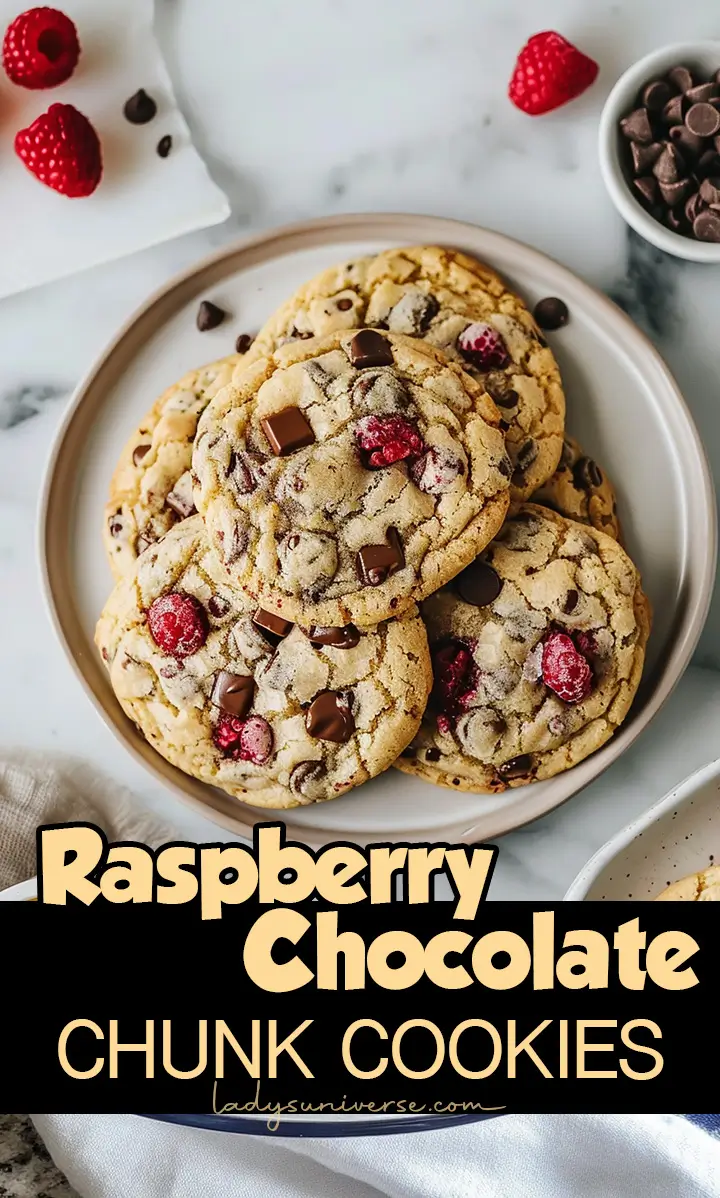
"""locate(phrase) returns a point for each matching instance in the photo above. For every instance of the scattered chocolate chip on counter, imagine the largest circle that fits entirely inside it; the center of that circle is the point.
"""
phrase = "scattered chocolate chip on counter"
(551, 313)
(672, 153)
(243, 343)
(164, 146)
(209, 316)
(140, 108)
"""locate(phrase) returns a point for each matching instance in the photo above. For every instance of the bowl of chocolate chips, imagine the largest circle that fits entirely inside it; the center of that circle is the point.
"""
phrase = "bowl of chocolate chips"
(660, 149)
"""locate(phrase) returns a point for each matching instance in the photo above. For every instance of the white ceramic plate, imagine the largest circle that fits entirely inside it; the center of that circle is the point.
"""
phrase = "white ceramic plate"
(623, 405)
(19, 893)
(680, 835)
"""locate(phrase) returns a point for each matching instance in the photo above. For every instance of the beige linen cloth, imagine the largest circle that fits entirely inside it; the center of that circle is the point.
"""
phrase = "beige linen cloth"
(39, 788)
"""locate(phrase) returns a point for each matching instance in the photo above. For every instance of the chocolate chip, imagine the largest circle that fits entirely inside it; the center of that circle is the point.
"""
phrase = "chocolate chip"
(680, 78)
(344, 304)
(551, 313)
(571, 601)
(693, 207)
(180, 499)
(673, 111)
(702, 93)
(503, 399)
(670, 165)
(656, 95)
(524, 459)
(644, 157)
(478, 584)
(287, 431)
(587, 474)
(329, 718)
(647, 186)
(703, 120)
(370, 348)
(346, 637)
(140, 452)
(375, 563)
(706, 226)
(304, 774)
(116, 524)
(243, 343)
(689, 144)
(517, 767)
(209, 316)
(274, 628)
(140, 108)
(164, 146)
(239, 471)
(707, 164)
(432, 754)
(710, 191)
(218, 607)
(674, 220)
(674, 193)
(233, 693)
(637, 127)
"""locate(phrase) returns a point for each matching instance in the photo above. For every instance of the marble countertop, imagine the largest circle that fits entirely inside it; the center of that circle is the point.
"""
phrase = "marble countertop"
(304, 110)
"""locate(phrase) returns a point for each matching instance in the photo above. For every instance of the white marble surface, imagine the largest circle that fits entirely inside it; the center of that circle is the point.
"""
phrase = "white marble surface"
(326, 107)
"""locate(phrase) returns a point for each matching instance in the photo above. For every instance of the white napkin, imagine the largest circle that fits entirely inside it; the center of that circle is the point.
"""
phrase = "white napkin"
(516, 1156)
(142, 199)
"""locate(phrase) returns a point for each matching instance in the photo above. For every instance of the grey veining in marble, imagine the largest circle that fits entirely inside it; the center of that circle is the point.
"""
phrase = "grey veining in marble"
(26, 1170)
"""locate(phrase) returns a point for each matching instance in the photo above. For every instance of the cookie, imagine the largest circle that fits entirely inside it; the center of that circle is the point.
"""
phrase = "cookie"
(537, 648)
(274, 714)
(463, 308)
(343, 479)
(580, 490)
(703, 887)
(151, 488)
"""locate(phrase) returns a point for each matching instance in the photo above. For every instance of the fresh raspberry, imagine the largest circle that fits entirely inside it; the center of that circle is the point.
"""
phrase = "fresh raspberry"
(388, 439)
(62, 150)
(455, 679)
(178, 624)
(549, 71)
(483, 346)
(41, 48)
(564, 669)
(244, 740)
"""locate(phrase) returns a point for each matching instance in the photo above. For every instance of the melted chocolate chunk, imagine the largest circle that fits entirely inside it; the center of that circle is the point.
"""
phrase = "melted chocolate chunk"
(287, 431)
(233, 693)
(274, 628)
(344, 304)
(375, 563)
(180, 499)
(218, 607)
(478, 584)
(346, 637)
(140, 452)
(571, 601)
(432, 754)
(209, 316)
(587, 474)
(370, 348)
(517, 767)
(329, 718)
(304, 774)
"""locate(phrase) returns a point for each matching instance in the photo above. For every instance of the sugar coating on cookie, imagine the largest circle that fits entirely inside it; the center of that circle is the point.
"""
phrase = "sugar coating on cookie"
(537, 648)
(151, 488)
(581, 490)
(273, 714)
(464, 308)
(342, 480)
(702, 887)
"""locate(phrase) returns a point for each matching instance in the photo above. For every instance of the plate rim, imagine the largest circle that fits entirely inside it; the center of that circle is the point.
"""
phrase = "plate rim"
(578, 889)
(369, 226)
(350, 1126)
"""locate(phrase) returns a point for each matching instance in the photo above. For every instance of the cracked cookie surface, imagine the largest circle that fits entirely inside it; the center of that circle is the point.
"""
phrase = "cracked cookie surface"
(538, 650)
(343, 479)
(581, 490)
(703, 887)
(464, 308)
(275, 718)
(151, 488)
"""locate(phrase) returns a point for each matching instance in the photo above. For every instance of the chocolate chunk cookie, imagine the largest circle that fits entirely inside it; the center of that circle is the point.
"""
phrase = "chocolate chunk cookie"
(703, 887)
(151, 488)
(273, 713)
(537, 649)
(581, 490)
(463, 308)
(343, 479)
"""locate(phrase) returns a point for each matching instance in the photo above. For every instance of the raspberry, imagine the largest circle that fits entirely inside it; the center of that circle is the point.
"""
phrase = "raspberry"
(178, 624)
(62, 150)
(483, 346)
(388, 439)
(455, 679)
(41, 48)
(549, 71)
(244, 740)
(564, 669)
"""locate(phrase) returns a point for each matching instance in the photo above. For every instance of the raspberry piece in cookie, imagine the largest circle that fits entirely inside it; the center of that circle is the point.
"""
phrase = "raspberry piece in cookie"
(244, 740)
(388, 439)
(482, 345)
(178, 624)
(540, 650)
(564, 669)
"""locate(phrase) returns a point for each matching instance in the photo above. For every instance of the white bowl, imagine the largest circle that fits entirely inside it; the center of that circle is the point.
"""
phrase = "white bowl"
(680, 835)
(19, 893)
(703, 57)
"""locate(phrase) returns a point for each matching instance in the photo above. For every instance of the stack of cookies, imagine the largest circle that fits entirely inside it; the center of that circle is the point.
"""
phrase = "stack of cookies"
(368, 542)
